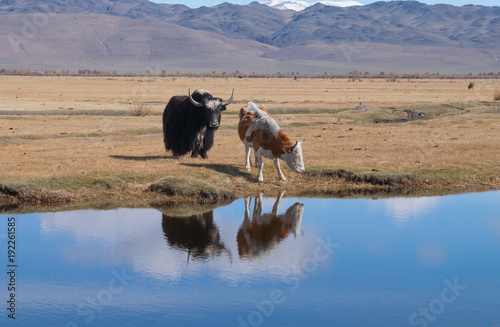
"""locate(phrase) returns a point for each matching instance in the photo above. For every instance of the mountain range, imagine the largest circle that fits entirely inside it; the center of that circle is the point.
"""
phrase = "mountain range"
(298, 5)
(129, 35)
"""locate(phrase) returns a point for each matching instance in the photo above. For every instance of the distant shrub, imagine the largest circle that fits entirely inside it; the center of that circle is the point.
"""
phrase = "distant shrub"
(142, 109)
(497, 95)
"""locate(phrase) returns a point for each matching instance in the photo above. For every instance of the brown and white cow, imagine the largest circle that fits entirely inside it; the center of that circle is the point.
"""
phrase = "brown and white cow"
(259, 130)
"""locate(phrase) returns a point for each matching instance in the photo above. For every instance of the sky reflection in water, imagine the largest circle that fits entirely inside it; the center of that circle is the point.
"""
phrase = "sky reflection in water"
(329, 262)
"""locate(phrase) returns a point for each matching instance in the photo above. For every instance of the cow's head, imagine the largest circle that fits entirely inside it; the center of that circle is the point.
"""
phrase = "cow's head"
(211, 107)
(293, 157)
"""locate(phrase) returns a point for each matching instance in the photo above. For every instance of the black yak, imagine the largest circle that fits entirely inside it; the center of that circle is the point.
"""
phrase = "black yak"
(189, 122)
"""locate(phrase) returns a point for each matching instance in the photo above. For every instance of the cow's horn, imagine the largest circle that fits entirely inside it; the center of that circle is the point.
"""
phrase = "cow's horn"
(225, 103)
(193, 101)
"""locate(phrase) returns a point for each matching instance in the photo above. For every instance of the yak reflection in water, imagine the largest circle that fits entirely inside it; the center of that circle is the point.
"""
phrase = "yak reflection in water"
(260, 234)
(198, 235)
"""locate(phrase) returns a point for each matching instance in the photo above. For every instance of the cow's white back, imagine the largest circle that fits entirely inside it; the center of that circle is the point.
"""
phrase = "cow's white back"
(262, 120)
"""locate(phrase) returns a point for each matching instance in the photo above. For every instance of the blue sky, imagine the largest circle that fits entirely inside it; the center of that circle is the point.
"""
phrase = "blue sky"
(209, 3)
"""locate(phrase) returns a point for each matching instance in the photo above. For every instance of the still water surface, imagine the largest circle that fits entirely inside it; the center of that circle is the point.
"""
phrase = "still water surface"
(429, 261)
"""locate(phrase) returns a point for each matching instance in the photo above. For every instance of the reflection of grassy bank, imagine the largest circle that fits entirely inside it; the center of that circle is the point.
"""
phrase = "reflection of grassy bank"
(417, 137)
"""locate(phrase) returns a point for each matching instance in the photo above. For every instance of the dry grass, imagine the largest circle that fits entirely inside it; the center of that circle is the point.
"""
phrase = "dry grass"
(141, 109)
(91, 148)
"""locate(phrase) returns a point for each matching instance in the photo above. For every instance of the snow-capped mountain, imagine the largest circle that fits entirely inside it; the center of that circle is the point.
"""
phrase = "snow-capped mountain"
(298, 5)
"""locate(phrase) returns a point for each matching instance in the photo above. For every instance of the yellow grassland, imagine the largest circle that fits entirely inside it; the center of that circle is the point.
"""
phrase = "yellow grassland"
(77, 135)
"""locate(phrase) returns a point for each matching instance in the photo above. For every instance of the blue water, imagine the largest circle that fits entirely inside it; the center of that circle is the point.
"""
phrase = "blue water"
(428, 261)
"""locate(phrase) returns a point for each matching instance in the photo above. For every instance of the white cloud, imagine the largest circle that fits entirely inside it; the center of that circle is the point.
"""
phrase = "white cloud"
(431, 255)
(404, 210)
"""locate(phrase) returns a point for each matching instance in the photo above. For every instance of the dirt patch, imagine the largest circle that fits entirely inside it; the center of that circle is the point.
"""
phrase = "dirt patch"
(414, 115)
(363, 108)
(410, 114)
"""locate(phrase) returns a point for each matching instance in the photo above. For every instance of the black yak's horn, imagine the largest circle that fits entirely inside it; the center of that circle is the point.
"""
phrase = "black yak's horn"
(225, 103)
(193, 101)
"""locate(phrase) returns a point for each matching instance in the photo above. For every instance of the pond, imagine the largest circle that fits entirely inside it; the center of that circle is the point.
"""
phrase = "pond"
(427, 261)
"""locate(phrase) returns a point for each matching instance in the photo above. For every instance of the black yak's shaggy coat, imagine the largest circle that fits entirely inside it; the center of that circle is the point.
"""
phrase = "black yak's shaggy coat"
(187, 127)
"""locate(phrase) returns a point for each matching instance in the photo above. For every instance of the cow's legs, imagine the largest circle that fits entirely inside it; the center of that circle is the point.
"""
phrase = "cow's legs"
(278, 169)
(247, 157)
(260, 164)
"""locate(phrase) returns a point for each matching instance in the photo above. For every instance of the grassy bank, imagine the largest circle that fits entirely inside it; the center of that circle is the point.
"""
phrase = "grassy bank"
(143, 191)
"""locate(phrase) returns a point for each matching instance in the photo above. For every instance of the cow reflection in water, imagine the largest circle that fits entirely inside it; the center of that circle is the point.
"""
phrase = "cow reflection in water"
(198, 235)
(263, 232)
